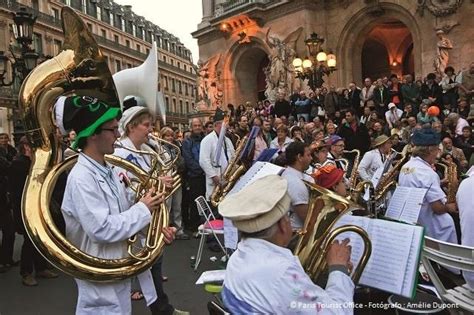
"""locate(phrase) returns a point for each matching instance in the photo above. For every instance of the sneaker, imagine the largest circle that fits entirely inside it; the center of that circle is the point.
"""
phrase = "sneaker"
(178, 312)
(29, 280)
(47, 274)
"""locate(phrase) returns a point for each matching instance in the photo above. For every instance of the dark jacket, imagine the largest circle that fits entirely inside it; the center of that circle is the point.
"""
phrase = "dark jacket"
(190, 150)
(282, 108)
(358, 139)
(381, 100)
(434, 91)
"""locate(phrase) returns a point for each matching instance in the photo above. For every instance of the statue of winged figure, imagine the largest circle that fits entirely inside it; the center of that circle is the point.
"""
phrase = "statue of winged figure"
(209, 81)
(280, 71)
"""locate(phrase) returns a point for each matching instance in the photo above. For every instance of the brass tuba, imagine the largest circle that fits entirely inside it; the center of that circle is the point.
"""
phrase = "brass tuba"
(324, 210)
(80, 69)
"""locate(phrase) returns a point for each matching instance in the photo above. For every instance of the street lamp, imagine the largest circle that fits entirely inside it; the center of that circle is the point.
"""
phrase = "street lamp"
(318, 64)
(20, 65)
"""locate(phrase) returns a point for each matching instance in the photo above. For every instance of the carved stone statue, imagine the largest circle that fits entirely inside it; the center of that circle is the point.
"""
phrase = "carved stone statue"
(279, 74)
(210, 90)
(444, 45)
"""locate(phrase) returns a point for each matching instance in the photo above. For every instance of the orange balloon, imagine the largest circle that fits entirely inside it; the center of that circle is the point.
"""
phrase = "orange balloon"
(433, 111)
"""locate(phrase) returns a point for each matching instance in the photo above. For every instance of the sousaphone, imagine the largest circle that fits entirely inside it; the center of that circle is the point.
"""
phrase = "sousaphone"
(79, 69)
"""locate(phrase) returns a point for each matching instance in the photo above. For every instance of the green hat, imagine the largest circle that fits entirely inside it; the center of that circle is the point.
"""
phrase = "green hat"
(84, 115)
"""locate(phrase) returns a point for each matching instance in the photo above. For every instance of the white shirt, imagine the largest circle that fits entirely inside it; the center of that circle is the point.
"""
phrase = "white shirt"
(99, 219)
(274, 282)
(207, 155)
(461, 124)
(417, 173)
(465, 201)
(370, 163)
(390, 115)
(298, 192)
(275, 145)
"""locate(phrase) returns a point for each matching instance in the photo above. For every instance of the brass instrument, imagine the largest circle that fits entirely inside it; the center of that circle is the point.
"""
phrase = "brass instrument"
(450, 171)
(352, 173)
(356, 195)
(389, 177)
(236, 168)
(324, 210)
(80, 69)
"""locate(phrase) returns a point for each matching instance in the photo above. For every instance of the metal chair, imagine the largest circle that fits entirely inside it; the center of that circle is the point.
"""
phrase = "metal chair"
(452, 256)
(212, 226)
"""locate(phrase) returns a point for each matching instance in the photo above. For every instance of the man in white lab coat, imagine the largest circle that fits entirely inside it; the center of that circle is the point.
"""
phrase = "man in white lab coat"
(207, 155)
(98, 215)
(418, 172)
(262, 275)
(465, 201)
(376, 158)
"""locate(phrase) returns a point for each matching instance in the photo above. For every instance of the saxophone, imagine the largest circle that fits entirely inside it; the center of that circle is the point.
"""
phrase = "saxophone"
(451, 175)
(388, 179)
(352, 175)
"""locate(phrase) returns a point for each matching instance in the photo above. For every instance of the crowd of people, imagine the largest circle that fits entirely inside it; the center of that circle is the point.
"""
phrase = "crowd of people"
(429, 118)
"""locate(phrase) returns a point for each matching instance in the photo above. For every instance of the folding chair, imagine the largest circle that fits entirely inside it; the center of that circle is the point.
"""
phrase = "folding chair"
(211, 226)
(454, 256)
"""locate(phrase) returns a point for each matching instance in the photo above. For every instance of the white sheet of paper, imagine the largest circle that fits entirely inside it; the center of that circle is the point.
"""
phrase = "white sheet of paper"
(231, 235)
(394, 245)
(405, 204)
(211, 276)
(258, 170)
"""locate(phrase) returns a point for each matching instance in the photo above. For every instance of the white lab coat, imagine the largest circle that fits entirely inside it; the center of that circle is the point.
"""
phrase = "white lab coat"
(274, 282)
(417, 173)
(207, 155)
(370, 163)
(99, 219)
(465, 201)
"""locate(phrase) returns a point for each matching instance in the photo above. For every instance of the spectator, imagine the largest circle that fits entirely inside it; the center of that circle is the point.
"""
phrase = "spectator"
(381, 97)
(303, 107)
(465, 142)
(239, 111)
(356, 135)
(423, 118)
(395, 91)
(296, 134)
(282, 106)
(431, 90)
(243, 128)
(354, 96)
(392, 115)
(456, 123)
(449, 86)
(411, 92)
(408, 111)
(463, 108)
(457, 153)
(194, 173)
(366, 94)
(208, 127)
(466, 83)
(282, 140)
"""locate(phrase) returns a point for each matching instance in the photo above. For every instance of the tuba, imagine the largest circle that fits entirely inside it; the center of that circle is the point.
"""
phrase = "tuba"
(324, 210)
(79, 69)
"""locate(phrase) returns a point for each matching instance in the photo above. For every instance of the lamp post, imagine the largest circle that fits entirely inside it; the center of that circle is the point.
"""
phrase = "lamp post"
(21, 64)
(317, 65)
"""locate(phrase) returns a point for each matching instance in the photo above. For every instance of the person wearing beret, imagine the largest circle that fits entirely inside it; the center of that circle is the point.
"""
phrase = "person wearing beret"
(99, 215)
(418, 172)
(273, 280)
(332, 178)
(376, 158)
(135, 125)
(207, 154)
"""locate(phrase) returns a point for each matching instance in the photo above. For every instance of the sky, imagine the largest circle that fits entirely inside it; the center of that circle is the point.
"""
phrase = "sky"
(178, 17)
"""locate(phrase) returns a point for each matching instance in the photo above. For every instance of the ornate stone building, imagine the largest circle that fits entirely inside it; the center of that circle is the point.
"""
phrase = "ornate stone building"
(370, 38)
(125, 39)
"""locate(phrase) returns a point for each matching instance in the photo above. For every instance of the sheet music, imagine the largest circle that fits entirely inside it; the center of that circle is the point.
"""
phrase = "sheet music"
(412, 264)
(405, 204)
(394, 260)
(211, 276)
(258, 170)
(231, 234)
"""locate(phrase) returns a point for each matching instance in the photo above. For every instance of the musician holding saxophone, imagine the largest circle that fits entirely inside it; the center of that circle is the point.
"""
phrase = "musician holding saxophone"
(99, 216)
(375, 158)
(418, 172)
(273, 280)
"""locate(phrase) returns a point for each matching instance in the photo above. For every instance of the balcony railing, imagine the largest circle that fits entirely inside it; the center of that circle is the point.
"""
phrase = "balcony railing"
(239, 4)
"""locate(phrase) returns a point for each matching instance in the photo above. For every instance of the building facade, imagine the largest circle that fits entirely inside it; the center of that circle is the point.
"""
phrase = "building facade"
(370, 38)
(124, 38)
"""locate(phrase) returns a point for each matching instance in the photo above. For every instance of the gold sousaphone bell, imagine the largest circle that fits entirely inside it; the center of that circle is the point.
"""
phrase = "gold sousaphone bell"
(79, 69)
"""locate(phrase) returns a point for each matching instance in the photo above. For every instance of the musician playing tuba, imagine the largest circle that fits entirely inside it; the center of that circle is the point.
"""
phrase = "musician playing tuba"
(135, 126)
(273, 280)
(418, 172)
(98, 215)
